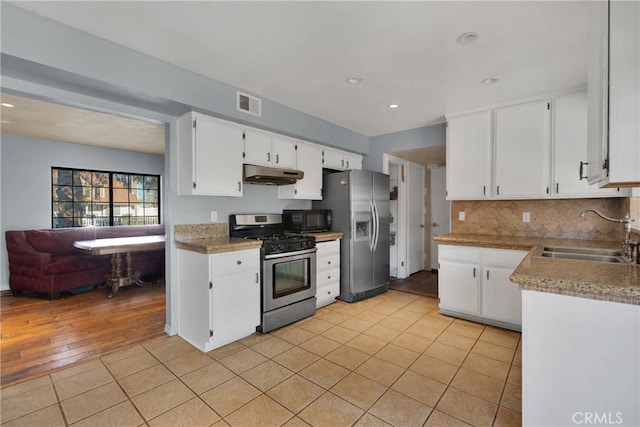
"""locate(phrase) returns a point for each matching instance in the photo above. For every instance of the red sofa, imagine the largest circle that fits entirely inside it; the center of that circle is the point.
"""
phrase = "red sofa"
(46, 260)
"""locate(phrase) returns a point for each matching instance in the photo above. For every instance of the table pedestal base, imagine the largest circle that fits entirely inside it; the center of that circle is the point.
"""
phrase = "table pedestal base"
(117, 280)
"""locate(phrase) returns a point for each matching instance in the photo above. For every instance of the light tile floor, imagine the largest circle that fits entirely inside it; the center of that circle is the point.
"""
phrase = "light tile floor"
(390, 360)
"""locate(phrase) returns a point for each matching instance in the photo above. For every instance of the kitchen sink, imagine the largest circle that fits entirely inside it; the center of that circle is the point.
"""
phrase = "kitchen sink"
(584, 254)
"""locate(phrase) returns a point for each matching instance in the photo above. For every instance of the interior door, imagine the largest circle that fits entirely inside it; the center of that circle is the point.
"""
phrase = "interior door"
(440, 211)
(415, 218)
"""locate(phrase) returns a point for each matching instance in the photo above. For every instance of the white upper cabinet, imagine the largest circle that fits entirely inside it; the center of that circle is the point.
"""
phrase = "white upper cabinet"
(308, 160)
(283, 152)
(569, 153)
(614, 94)
(522, 146)
(209, 156)
(469, 156)
(257, 147)
(340, 160)
(262, 148)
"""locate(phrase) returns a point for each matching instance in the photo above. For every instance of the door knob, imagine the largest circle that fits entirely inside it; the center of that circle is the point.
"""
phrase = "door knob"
(434, 224)
(421, 225)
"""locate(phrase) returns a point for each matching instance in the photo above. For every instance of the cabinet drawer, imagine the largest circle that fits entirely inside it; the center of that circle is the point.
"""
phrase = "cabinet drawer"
(328, 262)
(327, 293)
(327, 277)
(502, 257)
(235, 262)
(459, 253)
(328, 248)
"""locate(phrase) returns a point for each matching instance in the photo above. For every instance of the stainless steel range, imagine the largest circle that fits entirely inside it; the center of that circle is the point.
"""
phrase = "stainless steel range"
(288, 269)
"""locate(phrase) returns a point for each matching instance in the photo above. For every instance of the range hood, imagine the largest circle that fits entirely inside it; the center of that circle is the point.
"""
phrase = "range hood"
(254, 174)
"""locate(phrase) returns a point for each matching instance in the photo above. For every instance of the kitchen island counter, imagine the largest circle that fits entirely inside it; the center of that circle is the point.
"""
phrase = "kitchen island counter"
(615, 282)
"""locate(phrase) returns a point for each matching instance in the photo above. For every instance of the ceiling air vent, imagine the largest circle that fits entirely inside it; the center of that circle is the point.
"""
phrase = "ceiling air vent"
(249, 104)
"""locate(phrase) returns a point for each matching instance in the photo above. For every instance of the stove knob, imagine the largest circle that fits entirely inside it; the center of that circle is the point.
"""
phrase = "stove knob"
(281, 247)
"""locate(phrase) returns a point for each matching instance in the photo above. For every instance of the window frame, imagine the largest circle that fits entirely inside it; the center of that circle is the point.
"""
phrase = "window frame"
(76, 221)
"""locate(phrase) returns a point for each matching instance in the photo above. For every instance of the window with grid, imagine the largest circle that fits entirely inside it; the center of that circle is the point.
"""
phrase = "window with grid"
(80, 198)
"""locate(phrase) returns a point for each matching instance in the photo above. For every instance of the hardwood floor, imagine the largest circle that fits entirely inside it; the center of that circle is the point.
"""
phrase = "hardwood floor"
(39, 336)
(423, 283)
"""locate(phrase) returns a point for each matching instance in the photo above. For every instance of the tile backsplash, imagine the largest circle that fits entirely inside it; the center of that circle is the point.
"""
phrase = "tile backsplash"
(554, 218)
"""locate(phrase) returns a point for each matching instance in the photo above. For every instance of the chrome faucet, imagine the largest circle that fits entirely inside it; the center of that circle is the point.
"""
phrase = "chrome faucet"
(627, 227)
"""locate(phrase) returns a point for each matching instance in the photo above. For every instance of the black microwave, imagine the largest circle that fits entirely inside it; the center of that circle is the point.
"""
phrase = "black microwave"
(306, 220)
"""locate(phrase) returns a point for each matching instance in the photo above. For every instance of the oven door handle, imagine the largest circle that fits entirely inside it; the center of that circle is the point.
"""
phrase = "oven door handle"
(289, 254)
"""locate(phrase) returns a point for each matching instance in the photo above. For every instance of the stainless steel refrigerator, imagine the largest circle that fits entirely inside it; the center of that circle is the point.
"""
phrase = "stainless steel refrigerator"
(359, 203)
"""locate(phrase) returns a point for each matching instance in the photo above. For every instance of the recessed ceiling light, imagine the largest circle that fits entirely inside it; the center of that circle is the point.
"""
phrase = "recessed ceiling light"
(489, 81)
(393, 106)
(468, 38)
(6, 104)
(354, 80)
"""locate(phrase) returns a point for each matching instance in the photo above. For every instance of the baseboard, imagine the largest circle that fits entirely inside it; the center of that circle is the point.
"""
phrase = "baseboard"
(169, 331)
(6, 293)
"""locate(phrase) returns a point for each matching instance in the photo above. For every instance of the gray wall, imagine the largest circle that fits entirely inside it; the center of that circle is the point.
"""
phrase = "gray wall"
(26, 178)
(427, 136)
(26, 186)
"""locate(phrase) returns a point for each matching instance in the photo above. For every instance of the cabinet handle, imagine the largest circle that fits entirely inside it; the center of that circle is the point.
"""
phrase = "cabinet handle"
(484, 190)
(498, 190)
(239, 186)
(347, 164)
(342, 162)
(329, 262)
(582, 165)
(239, 262)
(268, 157)
(328, 277)
(257, 278)
(474, 272)
(547, 190)
(487, 274)
(277, 158)
(557, 187)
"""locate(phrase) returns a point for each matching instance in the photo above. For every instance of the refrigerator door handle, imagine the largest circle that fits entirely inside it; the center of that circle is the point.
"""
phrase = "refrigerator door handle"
(372, 232)
(376, 220)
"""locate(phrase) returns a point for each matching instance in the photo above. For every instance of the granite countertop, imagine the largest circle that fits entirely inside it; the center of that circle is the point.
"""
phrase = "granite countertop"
(213, 239)
(325, 236)
(210, 239)
(585, 279)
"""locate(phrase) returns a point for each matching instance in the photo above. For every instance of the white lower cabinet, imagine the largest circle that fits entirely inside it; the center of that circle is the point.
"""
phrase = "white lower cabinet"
(579, 361)
(474, 283)
(327, 272)
(219, 297)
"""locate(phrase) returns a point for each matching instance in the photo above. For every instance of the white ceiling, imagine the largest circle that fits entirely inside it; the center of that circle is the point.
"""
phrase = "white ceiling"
(55, 122)
(300, 53)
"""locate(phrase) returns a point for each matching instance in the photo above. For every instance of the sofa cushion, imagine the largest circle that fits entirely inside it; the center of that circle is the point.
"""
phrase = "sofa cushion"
(63, 264)
(58, 241)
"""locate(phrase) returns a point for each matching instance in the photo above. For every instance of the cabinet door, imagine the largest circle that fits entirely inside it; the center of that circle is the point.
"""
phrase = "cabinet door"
(257, 148)
(235, 306)
(333, 159)
(458, 287)
(352, 161)
(624, 93)
(522, 145)
(598, 90)
(217, 158)
(283, 152)
(570, 148)
(469, 156)
(309, 160)
(501, 298)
